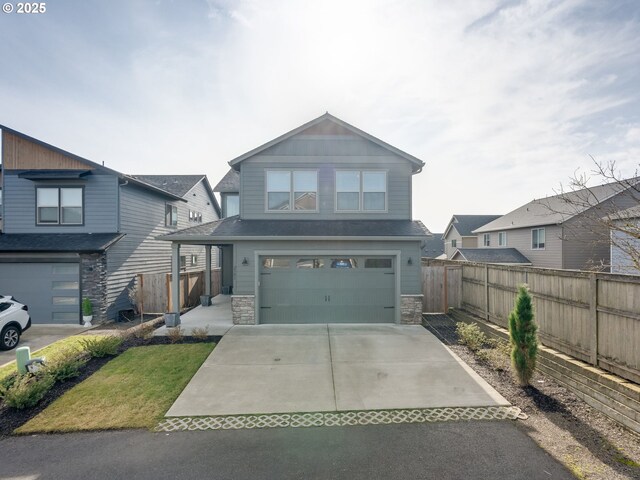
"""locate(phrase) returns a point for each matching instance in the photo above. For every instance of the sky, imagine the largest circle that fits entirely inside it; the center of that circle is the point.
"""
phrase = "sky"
(503, 100)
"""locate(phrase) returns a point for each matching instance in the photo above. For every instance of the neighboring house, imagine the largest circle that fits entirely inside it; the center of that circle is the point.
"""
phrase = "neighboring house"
(504, 256)
(324, 232)
(74, 229)
(625, 243)
(562, 231)
(434, 246)
(459, 232)
(229, 190)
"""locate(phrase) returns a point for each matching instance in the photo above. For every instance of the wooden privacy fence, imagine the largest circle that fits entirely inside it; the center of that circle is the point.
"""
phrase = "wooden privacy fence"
(437, 298)
(156, 289)
(594, 317)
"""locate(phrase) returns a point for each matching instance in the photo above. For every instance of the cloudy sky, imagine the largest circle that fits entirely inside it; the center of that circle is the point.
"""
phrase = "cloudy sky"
(503, 100)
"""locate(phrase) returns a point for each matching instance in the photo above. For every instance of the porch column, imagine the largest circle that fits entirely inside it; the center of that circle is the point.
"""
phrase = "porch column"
(207, 269)
(175, 279)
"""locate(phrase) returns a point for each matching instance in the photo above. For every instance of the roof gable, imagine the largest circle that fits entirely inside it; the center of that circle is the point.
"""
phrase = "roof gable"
(465, 224)
(230, 183)
(327, 124)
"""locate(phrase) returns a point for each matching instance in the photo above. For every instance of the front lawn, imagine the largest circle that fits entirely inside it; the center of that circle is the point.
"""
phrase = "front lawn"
(51, 352)
(134, 390)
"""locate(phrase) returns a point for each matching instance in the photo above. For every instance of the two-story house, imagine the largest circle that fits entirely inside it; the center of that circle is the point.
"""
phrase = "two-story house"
(73, 228)
(324, 231)
(459, 232)
(561, 231)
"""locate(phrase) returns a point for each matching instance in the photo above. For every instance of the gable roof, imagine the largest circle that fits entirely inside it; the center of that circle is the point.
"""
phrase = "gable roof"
(557, 209)
(178, 185)
(465, 224)
(633, 212)
(417, 164)
(433, 246)
(230, 183)
(491, 255)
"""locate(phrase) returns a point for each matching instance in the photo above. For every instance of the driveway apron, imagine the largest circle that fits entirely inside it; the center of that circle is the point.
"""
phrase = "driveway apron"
(335, 367)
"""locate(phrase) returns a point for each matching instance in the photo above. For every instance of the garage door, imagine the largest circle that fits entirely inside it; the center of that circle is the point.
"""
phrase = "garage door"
(51, 290)
(327, 289)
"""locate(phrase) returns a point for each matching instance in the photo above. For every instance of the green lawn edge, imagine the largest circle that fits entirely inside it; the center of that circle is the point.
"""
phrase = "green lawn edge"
(134, 390)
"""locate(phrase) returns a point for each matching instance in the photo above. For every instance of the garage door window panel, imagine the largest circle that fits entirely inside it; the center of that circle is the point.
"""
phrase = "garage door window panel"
(310, 263)
(344, 263)
(65, 285)
(275, 262)
(65, 300)
(378, 263)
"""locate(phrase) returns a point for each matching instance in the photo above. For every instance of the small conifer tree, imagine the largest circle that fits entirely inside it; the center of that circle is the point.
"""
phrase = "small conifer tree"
(523, 333)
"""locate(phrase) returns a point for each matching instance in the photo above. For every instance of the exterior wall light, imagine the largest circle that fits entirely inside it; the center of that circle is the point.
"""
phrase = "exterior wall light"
(409, 262)
(245, 262)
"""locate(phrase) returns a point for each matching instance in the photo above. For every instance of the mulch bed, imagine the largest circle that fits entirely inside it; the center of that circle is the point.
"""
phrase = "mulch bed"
(591, 444)
(11, 418)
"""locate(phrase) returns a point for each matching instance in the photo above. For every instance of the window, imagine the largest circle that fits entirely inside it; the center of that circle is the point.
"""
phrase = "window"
(64, 316)
(195, 216)
(171, 216)
(59, 206)
(377, 263)
(344, 263)
(502, 239)
(310, 263)
(62, 285)
(486, 239)
(454, 243)
(232, 205)
(347, 191)
(69, 269)
(537, 239)
(292, 190)
(361, 191)
(183, 261)
(275, 262)
(194, 260)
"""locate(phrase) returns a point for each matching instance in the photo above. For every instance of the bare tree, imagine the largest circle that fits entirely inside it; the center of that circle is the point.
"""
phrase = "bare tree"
(604, 215)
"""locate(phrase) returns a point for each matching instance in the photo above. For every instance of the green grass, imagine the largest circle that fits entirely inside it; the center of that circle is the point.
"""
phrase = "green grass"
(134, 390)
(50, 352)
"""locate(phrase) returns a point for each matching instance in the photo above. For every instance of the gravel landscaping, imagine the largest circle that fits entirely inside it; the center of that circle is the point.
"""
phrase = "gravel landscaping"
(590, 444)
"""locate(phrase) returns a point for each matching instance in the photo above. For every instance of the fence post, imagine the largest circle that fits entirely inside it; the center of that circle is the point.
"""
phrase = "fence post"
(446, 290)
(593, 318)
(486, 291)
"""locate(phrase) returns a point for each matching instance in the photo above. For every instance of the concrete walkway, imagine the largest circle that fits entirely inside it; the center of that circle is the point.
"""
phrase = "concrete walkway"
(313, 368)
(216, 318)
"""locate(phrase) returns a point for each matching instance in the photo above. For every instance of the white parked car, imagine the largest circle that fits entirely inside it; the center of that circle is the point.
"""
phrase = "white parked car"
(14, 319)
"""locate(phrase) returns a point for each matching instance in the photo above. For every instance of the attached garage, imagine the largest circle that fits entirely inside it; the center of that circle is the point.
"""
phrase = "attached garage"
(50, 290)
(336, 288)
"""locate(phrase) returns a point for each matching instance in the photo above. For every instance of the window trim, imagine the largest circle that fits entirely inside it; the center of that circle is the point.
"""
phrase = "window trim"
(486, 239)
(362, 192)
(59, 222)
(291, 209)
(454, 243)
(545, 238)
(170, 225)
(504, 235)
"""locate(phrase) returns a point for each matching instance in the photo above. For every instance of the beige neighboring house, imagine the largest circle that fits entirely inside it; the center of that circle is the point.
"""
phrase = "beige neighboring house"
(562, 231)
(459, 232)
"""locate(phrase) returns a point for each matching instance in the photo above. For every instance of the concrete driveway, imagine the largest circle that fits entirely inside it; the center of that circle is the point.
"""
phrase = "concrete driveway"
(323, 368)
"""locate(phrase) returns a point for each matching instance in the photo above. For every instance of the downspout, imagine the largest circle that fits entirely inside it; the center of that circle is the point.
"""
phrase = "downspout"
(120, 185)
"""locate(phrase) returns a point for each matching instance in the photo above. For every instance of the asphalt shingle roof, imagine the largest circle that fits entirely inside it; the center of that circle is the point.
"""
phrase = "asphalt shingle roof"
(177, 185)
(554, 210)
(633, 212)
(434, 246)
(491, 255)
(466, 224)
(235, 227)
(229, 183)
(57, 242)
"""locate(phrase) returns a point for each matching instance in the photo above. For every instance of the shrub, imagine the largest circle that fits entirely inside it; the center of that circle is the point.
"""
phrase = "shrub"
(200, 333)
(523, 333)
(174, 334)
(67, 364)
(101, 346)
(28, 390)
(471, 336)
(6, 383)
(87, 307)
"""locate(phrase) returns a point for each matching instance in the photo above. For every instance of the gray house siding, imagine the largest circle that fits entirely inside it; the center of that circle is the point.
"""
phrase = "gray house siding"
(244, 275)
(326, 155)
(620, 260)
(142, 219)
(452, 234)
(520, 238)
(100, 204)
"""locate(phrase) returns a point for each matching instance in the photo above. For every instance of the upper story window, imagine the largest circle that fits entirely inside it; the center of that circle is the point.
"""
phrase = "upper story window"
(486, 239)
(59, 205)
(502, 239)
(454, 243)
(361, 191)
(232, 205)
(292, 190)
(171, 215)
(537, 238)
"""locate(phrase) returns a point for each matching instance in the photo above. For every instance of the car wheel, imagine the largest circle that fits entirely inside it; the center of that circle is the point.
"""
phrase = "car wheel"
(9, 337)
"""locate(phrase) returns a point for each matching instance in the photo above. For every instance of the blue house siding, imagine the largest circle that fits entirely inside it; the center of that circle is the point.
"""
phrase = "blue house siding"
(100, 204)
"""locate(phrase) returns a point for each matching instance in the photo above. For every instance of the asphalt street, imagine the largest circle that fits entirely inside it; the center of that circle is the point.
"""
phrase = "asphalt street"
(449, 450)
